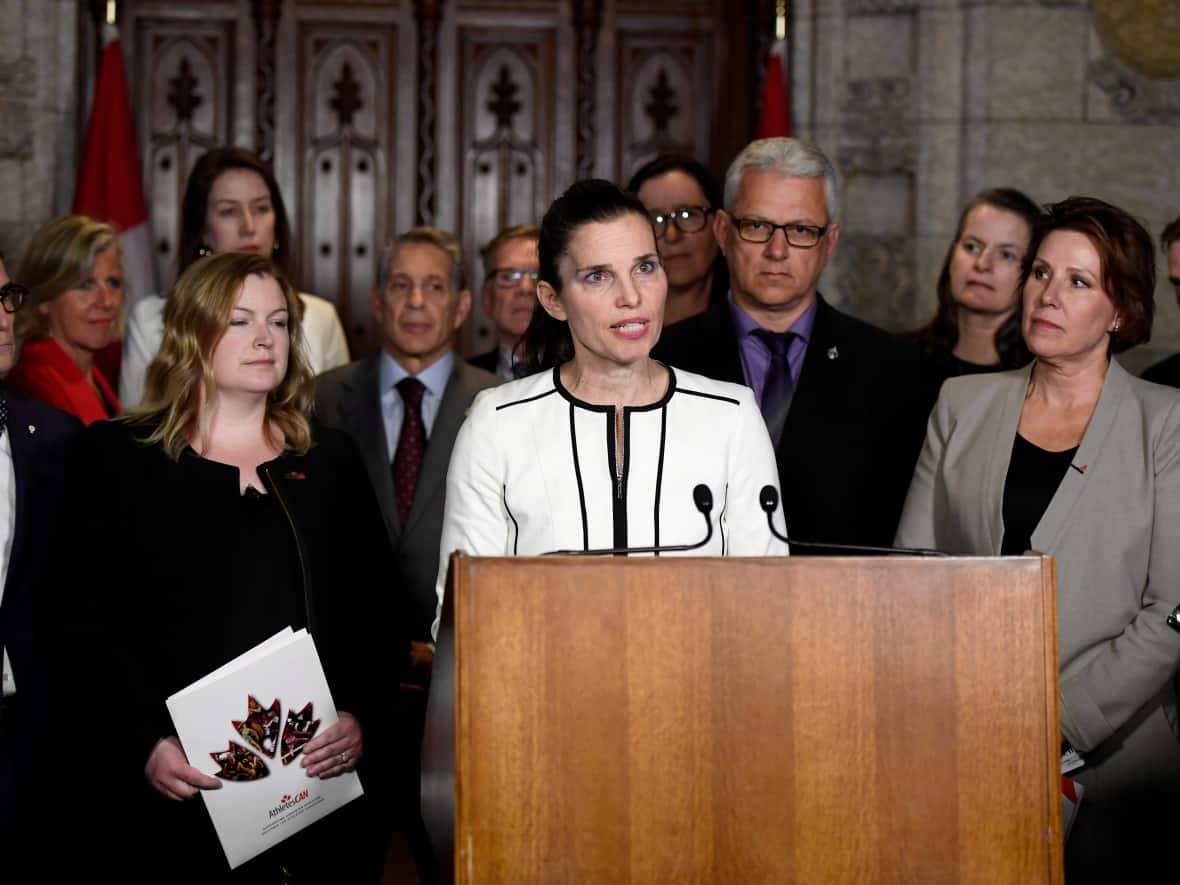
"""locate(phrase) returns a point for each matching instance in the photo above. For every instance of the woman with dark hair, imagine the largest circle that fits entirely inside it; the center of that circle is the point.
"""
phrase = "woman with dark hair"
(680, 194)
(73, 271)
(1074, 457)
(231, 204)
(977, 325)
(246, 521)
(604, 447)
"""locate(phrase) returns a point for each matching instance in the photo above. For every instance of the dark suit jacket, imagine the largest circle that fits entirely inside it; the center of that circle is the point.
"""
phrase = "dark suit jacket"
(39, 436)
(854, 428)
(347, 398)
(1166, 371)
(487, 361)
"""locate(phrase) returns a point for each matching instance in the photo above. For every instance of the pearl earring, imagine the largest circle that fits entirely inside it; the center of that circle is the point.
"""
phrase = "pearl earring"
(204, 251)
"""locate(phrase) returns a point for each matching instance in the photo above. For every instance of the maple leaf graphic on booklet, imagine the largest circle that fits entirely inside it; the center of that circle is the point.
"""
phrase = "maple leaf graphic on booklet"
(239, 764)
(261, 726)
(300, 729)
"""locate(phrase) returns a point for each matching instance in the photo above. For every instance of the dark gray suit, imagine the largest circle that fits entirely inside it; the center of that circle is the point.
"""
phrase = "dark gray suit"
(347, 398)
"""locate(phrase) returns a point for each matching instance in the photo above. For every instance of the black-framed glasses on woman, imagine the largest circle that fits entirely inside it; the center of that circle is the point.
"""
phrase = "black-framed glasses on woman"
(511, 277)
(12, 296)
(759, 230)
(688, 219)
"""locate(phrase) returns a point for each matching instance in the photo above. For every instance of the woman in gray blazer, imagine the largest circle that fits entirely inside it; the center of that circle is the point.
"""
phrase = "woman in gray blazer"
(1075, 457)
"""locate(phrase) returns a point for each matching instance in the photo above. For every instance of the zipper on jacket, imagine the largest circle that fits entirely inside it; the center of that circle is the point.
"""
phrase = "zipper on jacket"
(305, 577)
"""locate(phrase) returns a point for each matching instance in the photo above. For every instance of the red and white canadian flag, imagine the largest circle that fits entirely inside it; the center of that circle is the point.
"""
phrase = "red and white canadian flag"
(110, 186)
(774, 119)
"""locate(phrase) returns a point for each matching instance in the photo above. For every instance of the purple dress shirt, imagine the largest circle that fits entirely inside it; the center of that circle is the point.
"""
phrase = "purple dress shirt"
(754, 353)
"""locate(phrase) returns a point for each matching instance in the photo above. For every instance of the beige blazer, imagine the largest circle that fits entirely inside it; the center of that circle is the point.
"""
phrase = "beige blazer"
(1114, 528)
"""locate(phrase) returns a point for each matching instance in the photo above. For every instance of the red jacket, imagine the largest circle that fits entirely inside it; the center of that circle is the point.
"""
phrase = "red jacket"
(45, 372)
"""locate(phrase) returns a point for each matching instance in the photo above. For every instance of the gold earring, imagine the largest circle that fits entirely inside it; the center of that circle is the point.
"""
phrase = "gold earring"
(1115, 327)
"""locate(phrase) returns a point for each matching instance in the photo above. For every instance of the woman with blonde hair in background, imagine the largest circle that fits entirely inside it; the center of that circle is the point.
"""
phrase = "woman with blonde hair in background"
(74, 276)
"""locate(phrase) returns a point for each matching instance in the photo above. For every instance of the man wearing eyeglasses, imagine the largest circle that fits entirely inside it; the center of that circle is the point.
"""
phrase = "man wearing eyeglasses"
(510, 268)
(33, 439)
(838, 394)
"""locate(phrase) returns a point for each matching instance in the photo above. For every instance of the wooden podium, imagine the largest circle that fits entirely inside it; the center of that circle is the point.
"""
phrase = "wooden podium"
(811, 720)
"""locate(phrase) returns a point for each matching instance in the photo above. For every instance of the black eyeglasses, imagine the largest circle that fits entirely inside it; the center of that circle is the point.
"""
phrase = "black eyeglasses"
(511, 277)
(759, 230)
(12, 296)
(688, 219)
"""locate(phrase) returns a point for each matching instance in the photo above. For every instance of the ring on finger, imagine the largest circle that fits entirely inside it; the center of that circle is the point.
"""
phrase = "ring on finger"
(344, 757)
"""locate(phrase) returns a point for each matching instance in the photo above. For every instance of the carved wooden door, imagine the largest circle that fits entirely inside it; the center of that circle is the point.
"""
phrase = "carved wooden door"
(468, 115)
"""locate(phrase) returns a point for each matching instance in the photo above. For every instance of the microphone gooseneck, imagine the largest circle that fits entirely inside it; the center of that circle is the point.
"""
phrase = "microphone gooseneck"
(702, 499)
(768, 501)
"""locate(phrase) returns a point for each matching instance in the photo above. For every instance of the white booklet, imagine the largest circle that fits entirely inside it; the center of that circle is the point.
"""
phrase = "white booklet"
(246, 724)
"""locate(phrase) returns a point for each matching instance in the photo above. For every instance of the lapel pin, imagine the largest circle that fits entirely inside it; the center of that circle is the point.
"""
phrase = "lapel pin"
(1080, 468)
(833, 352)
(32, 428)
(295, 474)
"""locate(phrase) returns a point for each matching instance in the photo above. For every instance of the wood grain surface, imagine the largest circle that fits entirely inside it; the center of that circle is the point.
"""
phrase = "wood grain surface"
(763, 720)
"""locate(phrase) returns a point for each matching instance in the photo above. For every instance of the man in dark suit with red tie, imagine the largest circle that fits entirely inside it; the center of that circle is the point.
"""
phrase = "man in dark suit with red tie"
(33, 440)
(403, 407)
(841, 398)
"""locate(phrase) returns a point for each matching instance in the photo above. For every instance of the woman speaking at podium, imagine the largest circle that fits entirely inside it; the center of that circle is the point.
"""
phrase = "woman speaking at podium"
(605, 449)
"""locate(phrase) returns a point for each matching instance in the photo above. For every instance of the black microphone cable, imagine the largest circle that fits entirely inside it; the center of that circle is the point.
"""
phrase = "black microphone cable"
(768, 501)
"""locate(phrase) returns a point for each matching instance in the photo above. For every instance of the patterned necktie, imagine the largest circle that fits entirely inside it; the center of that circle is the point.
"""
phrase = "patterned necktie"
(411, 443)
(778, 388)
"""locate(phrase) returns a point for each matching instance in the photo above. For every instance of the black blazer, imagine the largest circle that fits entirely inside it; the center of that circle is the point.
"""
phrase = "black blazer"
(39, 436)
(135, 616)
(1166, 371)
(854, 429)
(487, 361)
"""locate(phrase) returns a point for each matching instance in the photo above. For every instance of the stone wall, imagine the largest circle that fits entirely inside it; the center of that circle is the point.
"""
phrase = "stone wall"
(39, 127)
(921, 104)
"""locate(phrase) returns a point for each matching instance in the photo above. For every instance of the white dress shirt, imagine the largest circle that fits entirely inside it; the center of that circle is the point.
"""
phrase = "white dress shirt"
(434, 377)
(7, 525)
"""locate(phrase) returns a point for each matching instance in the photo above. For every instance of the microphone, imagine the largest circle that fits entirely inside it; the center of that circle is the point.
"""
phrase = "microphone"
(702, 499)
(768, 501)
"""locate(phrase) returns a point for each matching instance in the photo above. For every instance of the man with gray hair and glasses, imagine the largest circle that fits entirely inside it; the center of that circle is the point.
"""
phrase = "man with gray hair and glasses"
(840, 397)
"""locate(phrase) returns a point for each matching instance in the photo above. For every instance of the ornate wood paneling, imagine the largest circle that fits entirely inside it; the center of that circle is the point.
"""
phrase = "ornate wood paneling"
(468, 114)
(184, 72)
(343, 144)
(665, 92)
(507, 137)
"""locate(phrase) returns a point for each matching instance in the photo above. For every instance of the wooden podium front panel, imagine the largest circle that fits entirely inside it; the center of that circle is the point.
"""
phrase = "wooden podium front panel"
(802, 720)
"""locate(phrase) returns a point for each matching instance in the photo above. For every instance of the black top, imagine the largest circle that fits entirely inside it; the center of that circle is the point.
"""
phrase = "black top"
(209, 573)
(264, 593)
(1033, 477)
(937, 366)
(1165, 372)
